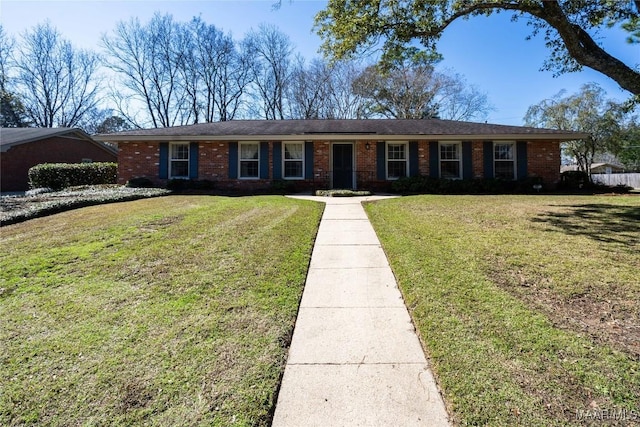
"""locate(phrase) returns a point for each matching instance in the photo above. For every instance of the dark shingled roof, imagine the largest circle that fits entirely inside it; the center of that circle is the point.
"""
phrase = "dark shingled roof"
(339, 129)
(16, 136)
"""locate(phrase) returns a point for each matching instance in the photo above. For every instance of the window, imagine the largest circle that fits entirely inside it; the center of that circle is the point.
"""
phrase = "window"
(450, 160)
(396, 160)
(293, 160)
(249, 160)
(179, 160)
(504, 165)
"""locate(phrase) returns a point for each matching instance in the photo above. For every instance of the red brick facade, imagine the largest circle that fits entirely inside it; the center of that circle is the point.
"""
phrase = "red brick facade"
(18, 159)
(142, 159)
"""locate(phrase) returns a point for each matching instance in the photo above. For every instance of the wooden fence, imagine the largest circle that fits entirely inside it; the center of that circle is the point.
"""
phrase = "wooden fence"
(630, 179)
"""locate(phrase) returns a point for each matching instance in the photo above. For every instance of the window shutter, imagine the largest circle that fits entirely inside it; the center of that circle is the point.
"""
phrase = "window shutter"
(233, 160)
(488, 159)
(467, 160)
(414, 168)
(163, 172)
(434, 160)
(277, 160)
(308, 160)
(521, 153)
(381, 167)
(264, 160)
(193, 160)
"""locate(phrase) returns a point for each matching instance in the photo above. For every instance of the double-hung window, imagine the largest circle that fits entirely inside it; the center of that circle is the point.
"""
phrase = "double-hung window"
(396, 160)
(450, 160)
(293, 160)
(179, 160)
(504, 163)
(249, 159)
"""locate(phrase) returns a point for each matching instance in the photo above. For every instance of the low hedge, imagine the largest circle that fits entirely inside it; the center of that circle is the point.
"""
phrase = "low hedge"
(62, 175)
(429, 185)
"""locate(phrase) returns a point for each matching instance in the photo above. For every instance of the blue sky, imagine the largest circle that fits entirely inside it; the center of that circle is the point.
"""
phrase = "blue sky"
(491, 53)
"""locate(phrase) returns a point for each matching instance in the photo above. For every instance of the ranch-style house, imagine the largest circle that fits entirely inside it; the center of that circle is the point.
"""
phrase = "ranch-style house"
(250, 155)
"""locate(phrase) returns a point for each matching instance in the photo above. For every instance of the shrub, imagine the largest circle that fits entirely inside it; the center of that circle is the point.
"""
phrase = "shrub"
(190, 184)
(428, 185)
(140, 182)
(62, 175)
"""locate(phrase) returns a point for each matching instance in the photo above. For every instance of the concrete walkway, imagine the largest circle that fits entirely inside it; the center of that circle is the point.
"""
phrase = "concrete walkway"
(355, 359)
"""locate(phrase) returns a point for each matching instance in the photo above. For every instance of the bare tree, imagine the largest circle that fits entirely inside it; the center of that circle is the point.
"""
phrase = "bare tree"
(411, 88)
(222, 71)
(343, 101)
(149, 61)
(309, 89)
(270, 51)
(57, 83)
(12, 112)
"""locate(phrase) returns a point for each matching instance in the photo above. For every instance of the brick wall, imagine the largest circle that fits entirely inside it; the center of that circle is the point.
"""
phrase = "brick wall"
(543, 158)
(17, 160)
(140, 159)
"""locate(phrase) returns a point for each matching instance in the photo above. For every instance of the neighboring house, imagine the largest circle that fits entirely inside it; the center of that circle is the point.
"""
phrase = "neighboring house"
(23, 148)
(596, 168)
(365, 154)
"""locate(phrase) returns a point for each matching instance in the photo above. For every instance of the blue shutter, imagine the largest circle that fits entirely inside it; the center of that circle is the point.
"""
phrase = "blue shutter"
(521, 153)
(488, 159)
(193, 160)
(381, 167)
(233, 160)
(414, 169)
(264, 160)
(163, 172)
(434, 160)
(308, 160)
(467, 160)
(277, 160)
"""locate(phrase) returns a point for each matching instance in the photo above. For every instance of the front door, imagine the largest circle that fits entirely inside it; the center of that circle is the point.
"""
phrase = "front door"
(343, 166)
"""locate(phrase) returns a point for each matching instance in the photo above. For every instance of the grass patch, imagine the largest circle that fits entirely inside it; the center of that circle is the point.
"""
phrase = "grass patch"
(529, 306)
(167, 311)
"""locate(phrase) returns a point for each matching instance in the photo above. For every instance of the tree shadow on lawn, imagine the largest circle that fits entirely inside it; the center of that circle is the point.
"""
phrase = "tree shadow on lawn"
(602, 222)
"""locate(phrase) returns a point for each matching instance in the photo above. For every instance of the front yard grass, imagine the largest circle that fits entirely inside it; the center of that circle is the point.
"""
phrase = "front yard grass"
(168, 311)
(528, 306)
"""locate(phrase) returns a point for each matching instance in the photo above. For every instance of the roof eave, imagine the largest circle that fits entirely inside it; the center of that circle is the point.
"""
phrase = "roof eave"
(343, 137)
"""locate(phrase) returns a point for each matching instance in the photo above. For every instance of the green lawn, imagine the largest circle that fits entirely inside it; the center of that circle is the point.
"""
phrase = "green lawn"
(169, 311)
(528, 306)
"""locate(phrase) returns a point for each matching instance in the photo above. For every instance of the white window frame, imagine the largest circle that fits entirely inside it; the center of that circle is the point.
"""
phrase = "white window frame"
(171, 160)
(240, 159)
(514, 148)
(405, 144)
(285, 160)
(458, 144)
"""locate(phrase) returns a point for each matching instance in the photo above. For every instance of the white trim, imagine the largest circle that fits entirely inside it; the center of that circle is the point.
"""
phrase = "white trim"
(387, 160)
(284, 160)
(440, 160)
(240, 159)
(171, 159)
(514, 160)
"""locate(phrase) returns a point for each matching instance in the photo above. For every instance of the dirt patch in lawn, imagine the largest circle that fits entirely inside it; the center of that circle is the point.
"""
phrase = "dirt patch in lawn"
(614, 321)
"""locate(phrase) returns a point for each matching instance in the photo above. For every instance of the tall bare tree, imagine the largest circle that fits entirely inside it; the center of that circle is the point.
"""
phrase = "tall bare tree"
(411, 88)
(221, 70)
(58, 84)
(148, 60)
(271, 53)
